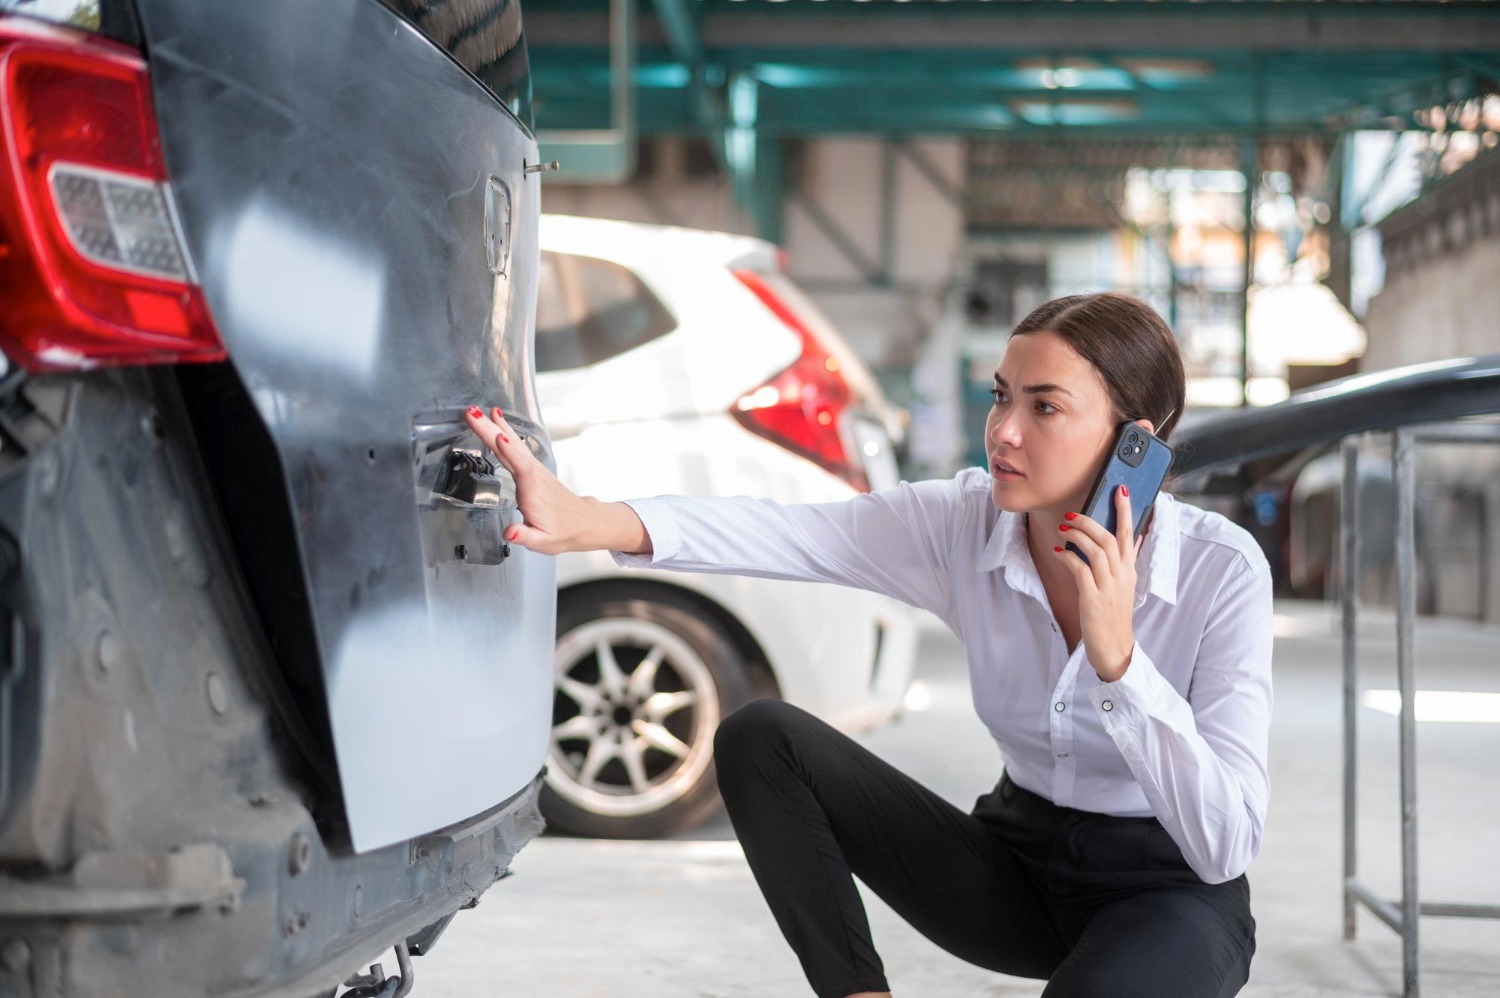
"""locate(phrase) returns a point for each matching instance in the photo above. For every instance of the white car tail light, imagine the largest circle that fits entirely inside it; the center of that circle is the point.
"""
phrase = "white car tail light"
(802, 408)
(91, 257)
(118, 221)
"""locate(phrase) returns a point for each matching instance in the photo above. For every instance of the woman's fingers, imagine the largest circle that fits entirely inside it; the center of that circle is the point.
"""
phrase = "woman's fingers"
(1081, 527)
(1106, 594)
(485, 428)
(1125, 523)
(1097, 554)
(503, 442)
(1083, 574)
(549, 510)
(526, 536)
(497, 435)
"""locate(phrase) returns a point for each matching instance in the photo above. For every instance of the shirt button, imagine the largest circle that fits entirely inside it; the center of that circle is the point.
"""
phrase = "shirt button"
(1062, 755)
(1060, 707)
(1108, 705)
(1053, 625)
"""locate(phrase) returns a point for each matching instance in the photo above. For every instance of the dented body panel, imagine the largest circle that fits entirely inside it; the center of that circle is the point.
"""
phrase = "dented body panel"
(335, 193)
(274, 693)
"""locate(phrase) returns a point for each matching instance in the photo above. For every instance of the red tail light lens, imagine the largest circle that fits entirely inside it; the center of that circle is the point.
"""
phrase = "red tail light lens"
(91, 259)
(802, 407)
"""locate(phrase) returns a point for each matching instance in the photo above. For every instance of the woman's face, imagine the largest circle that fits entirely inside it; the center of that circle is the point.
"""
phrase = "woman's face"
(1050, 427)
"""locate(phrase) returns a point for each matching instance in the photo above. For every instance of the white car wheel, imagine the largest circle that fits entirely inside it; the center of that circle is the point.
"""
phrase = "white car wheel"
(641, 685)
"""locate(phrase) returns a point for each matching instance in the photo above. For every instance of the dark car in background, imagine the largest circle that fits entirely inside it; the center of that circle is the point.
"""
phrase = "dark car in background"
(1286, 459)
(275, 695)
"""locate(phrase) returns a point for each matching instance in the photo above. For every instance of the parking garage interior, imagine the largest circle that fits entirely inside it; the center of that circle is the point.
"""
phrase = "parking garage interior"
(1302, 189)
(300, 696)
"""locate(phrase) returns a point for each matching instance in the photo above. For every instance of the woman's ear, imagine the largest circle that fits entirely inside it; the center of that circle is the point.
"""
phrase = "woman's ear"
(1146, 425)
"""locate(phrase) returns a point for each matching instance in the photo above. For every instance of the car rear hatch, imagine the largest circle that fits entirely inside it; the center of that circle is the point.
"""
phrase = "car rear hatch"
(356, 211)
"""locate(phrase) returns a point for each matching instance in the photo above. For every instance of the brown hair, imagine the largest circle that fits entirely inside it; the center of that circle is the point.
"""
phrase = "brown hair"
(1131, 347)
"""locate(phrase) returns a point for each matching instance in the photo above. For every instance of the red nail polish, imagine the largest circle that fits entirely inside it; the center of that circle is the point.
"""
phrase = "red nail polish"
(1064, 527)
(504, 439)
(1058, 550)
(475, 411)
(1125, 490)
(1070, 516)
(497, 414)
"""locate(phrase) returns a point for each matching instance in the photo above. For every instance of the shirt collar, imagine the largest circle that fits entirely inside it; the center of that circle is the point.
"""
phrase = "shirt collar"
(1007, 543)
(1162, 551)
(1156, 570)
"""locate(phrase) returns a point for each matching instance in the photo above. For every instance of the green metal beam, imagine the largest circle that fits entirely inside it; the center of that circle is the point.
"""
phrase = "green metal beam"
(595, 155)
(924, 68)
(680, 24)
(1031, 27)
(936, 113)
(755, 159)
(753, 162)
(1211, 114)
(767, 206)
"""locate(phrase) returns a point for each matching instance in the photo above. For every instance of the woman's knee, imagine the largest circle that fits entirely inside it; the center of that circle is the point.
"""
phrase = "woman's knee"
(753, 725)
(1164, 942)
(744, 736)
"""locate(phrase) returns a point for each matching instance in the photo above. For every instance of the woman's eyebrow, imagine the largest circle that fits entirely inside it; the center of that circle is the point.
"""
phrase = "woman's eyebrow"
(1041, 389)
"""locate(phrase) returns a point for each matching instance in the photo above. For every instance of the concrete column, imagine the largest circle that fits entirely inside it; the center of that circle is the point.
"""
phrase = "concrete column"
(1250, 167)
(1489, 555)
(1341, 222)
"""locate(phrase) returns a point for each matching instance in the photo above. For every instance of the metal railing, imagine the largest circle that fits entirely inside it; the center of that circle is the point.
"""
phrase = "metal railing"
(1401, 915)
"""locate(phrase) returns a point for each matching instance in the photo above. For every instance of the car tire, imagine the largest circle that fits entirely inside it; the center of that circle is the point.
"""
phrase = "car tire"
(643, 679)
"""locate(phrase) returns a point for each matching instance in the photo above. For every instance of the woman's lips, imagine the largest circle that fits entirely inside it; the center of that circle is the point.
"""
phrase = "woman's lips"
(1004, 472)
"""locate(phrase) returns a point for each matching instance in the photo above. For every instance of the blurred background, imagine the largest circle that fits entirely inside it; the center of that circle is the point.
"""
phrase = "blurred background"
(1305, 191)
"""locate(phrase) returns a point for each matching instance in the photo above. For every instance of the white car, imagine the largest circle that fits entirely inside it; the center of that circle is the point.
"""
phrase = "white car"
(686, 362)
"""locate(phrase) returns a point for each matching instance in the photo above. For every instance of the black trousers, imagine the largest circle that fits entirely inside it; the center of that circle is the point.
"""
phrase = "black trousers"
(1100, 907)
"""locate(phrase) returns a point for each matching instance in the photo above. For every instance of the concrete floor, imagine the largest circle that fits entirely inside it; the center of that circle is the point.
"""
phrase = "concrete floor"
(683, 918)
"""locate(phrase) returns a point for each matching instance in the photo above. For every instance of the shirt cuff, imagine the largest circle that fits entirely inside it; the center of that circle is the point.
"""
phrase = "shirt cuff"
(1140, 693)
(666, 542)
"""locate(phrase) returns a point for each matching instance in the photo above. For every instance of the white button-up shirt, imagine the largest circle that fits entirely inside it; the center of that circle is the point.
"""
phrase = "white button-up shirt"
(1183, 735)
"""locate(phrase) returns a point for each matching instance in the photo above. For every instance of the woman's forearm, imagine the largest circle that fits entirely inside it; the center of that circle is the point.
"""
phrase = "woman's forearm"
(614, 526)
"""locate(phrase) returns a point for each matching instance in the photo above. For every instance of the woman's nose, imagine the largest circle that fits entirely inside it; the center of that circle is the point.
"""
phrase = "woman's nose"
(1005, 430)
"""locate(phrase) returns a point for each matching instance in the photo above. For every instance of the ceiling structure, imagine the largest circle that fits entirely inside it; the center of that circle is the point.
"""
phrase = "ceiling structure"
(1024, 68)
(1061, 95)
(1213, 73)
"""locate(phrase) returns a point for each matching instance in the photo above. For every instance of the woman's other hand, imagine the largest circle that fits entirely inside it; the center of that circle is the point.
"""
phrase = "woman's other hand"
(555, 518)
(1106, 585)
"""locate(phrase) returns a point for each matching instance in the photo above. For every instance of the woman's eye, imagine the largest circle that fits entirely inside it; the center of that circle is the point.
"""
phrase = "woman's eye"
(1046, 408)
(999, 395)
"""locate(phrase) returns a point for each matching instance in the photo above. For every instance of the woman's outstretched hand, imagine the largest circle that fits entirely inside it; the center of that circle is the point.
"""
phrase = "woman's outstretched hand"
(1106, 585)
(556, 519)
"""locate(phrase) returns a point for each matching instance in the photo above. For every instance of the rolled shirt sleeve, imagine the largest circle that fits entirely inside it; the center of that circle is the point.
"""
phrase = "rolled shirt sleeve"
(1201, 759)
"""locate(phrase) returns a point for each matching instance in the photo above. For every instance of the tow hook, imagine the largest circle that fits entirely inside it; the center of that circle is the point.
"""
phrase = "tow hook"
(376, 985)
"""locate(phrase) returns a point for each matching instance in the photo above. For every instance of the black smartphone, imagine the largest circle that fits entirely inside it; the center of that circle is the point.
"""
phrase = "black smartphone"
(1139, 460)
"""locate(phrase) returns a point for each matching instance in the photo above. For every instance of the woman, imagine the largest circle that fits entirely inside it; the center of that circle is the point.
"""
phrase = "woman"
(1130, 695)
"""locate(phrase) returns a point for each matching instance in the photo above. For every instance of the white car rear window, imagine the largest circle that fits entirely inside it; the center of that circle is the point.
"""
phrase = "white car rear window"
(589, 310)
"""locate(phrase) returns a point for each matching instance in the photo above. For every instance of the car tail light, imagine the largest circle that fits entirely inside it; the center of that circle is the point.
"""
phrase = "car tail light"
(802, 407)
(92, 262)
